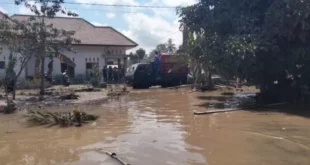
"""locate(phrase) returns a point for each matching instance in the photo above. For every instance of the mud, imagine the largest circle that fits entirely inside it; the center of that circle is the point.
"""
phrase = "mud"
(157, 127)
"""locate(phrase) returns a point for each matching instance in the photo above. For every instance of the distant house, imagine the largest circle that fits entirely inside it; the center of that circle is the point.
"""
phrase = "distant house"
(102, 45)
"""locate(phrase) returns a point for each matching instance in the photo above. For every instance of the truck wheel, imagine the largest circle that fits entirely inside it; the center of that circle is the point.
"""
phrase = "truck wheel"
(135, 86)
(164, 85)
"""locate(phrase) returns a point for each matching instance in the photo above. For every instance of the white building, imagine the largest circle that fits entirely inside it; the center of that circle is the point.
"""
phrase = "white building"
(101, 45)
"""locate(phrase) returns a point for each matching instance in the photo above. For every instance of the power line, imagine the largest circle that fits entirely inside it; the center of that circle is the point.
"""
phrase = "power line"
(110, 5)
(105, 10)
(118, 5)
(169, 35)
(97, 9)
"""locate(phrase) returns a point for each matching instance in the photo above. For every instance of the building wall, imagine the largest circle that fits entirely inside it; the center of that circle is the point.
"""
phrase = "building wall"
(4, 56)
(79, 56)
(82, 55)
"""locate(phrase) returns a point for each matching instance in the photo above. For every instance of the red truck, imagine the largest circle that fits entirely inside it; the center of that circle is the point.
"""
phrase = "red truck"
(144, 75)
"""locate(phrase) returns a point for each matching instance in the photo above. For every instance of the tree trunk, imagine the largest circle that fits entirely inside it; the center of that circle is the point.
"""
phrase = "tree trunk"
(210, 82)
(14, 90)
(42, 77)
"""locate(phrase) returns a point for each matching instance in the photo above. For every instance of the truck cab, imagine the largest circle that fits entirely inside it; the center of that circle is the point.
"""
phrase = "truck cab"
(144, 75)
(139, 75)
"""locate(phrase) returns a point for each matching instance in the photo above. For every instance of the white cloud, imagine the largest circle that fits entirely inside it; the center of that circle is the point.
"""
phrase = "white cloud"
(149, 31)
(23, 10)
(3, 11)
(111, 15)
(98, 24)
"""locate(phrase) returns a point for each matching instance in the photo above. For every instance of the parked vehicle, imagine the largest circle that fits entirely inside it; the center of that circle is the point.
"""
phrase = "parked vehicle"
(144, 75)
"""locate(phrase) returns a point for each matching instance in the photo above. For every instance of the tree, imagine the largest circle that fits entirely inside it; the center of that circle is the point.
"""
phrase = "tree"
(140, 53)
(162, 48)
(263, 42)
(21, 44)
(133, 57)
(171, 47)
(49, 39)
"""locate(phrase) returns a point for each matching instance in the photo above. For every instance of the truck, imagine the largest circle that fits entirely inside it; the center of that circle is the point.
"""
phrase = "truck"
(144, 75)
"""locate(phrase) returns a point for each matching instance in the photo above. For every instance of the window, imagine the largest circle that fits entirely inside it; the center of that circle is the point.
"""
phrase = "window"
(2, 64)
(73, 59)
(89, 59)
(97, 58)
(110, 62)
(89, 66)
(86, 59)
(94, 59)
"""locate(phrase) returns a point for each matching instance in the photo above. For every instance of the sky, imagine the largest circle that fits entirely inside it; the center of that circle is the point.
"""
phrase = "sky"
(146, 26)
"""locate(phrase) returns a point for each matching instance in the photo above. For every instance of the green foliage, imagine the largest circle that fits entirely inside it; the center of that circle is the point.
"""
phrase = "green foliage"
(168, 47)
(260, 41)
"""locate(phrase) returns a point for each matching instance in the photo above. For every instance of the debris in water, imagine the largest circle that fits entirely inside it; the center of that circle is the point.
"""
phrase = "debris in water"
(62, 118)
(112, 155)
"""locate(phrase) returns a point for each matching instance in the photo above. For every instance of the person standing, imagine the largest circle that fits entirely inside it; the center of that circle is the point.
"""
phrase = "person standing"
(115, 74)
(110, 73)
(104, 74)
(157, 62)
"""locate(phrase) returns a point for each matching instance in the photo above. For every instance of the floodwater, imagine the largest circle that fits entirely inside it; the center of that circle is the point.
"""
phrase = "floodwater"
(157, 127)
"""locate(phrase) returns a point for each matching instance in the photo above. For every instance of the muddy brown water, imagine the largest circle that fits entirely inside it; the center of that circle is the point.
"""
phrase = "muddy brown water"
(157, 127)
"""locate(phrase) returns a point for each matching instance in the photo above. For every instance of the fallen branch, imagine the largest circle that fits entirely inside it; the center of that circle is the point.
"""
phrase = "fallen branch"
(216, 111)
(238, 109)
(112, 155)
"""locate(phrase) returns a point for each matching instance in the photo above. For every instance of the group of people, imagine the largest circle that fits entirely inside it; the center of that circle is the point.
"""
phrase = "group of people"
(114, 74)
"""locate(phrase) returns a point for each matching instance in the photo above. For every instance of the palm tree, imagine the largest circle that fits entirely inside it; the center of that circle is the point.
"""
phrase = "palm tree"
(171, 46)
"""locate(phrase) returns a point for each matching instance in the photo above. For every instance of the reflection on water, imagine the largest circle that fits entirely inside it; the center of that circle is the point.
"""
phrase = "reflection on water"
(157, 127)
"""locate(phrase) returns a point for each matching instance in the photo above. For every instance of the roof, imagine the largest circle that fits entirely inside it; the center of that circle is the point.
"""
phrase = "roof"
(86, 32)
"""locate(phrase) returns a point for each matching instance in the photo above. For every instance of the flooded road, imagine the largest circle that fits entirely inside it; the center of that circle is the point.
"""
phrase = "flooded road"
(157, 127)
